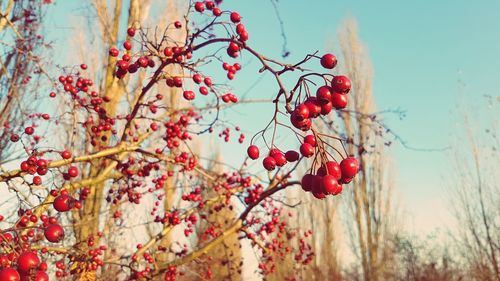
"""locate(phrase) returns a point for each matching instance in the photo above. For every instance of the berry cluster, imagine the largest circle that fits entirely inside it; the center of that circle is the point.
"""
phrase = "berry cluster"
(330, 175)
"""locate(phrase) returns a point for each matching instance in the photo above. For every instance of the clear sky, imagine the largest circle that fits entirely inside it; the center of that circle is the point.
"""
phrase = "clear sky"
(419, 49)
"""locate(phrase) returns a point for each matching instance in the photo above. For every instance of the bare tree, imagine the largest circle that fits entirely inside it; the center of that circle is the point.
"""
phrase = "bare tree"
(370, 204)
(476, 195)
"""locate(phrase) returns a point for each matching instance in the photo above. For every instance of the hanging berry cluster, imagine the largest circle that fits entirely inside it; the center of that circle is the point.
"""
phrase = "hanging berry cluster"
(326, 175)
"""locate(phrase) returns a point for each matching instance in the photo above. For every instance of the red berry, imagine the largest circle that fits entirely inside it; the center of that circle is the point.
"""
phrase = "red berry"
(66, 154)
(349, 167)
(269, 163)
(326, 108)
(114, 52)
(177, 24)
(307, 182)
(310, 139)
(197, 78)
(131, 32)
(235, 17)
(54, 233)
(302, 111)
(307, 150)
(333, 168)
(14, 138)
(292, 156)
(41, 276)
(313, 106)
(37, 180)
(27, 261)
(29, 130)
(63, 203)
(253, 152)
(330, 185)
(127, 45)
(168, 52)
(339, 101)
(328, 61)
(323, 94)
(341, 84)
(279, 157)
(9, 274)
(199, 7)
(188, 95)
(217, 12)
(240, 28)
(73, 171)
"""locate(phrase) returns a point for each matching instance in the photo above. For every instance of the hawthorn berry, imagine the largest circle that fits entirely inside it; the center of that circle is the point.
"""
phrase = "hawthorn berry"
(292, 156)
(328, 61)
(349, 167)
(63, 203)
(307, 150)
(235, 17)
(341, 84)
(339, 101)
(253, 152)
(54, 233)
(27, 261)
(9, 274)
(131, 32)
(269, 163)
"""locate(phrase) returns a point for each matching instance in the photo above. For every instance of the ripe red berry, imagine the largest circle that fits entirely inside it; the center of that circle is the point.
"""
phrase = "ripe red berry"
(177, 24)
(41, 276)
(302, 111)
(341, 84)
(333, 168)
(240, 28)
(339, 101)
(217, 12)
(131, 32)
(279, 157)
(292, 156)
(326, 108)
(54, 233)
(323, 94)
(349, 167)
(235, 17)
(63, 203)
(328, 61)
(269, 163)
(37, 180)
(127, 45)
(14, 138)
(330, 184)
(73, 171)
(188, 95)
(253, 152)
(29, 130)
(197, 78)
(66, 154)
(313, 106)
(310, 139)
(307, 150)
(307, 182)
(199, 7)
(27, 261)
(9, 274)
(114, 52)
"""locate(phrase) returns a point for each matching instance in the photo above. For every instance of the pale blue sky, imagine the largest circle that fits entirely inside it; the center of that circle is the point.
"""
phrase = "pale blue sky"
(419, 49)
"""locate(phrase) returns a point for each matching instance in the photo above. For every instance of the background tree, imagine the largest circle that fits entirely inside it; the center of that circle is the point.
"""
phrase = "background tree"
(475, 192)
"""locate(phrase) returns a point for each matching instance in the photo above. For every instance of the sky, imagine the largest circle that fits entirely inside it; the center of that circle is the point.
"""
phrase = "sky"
(420, 51)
